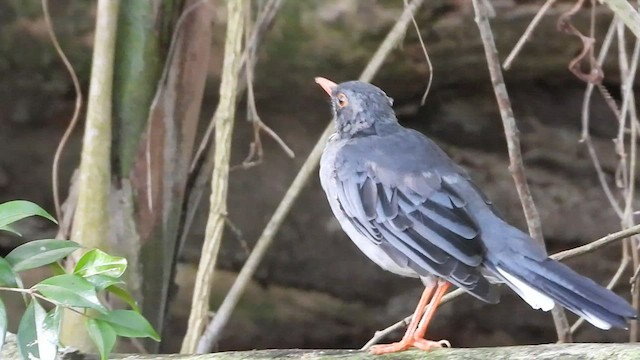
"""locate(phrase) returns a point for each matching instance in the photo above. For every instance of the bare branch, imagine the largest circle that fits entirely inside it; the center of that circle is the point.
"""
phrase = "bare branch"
(527, 34)
(597, 244)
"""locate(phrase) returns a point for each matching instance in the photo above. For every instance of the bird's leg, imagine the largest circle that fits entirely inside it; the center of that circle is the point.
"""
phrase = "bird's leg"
(408, 337)
(418, 336)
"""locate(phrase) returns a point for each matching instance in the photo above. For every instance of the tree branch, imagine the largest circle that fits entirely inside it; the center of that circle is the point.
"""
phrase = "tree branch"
(597, 244)
(513, 144)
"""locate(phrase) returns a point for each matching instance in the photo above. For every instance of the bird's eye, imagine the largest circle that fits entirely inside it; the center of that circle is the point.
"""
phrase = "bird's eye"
(342, 100)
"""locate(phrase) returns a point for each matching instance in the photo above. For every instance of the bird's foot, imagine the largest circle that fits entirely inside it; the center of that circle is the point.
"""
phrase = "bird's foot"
(406, 344)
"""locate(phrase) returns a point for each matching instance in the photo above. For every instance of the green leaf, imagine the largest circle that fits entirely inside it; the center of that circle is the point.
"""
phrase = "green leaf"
(57, 269)
(129, 323)
(97, 262)
(125, 296)
(35, 339)
(53, 320)
(3, 323)
(70, 290)
(40, 252)
(102, 282)
(13, 211)
(10, 229)
(7, 276)
(27, 338)
(103, 335)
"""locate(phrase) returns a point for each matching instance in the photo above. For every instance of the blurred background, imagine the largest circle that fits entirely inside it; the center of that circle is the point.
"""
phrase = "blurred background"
(314, 289)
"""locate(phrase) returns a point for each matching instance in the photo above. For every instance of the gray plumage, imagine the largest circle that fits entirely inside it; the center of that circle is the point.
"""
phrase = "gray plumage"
(414, 212)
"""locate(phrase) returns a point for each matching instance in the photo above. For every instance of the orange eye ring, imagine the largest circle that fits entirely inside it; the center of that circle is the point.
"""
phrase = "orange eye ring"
(342, 101)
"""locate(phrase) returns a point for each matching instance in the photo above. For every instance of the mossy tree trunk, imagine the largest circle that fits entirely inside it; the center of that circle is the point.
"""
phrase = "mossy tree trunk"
(159, 88)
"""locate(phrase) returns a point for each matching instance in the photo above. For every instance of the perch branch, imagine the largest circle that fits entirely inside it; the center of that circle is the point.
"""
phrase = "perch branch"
(513, 143)
(307, 170)
(584, 351)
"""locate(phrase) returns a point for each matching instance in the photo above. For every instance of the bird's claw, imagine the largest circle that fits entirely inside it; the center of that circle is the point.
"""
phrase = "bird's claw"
(428, 345)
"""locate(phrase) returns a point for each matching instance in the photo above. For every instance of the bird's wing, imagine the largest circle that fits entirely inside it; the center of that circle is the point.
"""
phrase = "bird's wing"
(418, 219)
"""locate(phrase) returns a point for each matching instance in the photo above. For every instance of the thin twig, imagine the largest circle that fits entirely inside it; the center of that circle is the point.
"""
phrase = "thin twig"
(74, 119)
(426, 56)
(595, 73)
(263, 23)
(516, 166)
(527, 34)
(305, 173)
(238, 234)
(586, 137)
(256, 151)
(595, 245)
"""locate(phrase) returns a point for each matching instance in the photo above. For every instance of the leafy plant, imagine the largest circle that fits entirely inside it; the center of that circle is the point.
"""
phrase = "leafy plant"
(95, 274)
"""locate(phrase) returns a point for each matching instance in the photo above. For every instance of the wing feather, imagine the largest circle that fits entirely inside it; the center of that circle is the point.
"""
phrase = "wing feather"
(421, 223)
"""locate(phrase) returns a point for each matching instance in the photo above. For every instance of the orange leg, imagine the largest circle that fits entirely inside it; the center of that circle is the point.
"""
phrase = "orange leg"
(418, 335)
(419, 322)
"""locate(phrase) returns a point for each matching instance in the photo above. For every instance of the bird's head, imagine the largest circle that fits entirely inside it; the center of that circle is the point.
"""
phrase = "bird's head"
(359, 108)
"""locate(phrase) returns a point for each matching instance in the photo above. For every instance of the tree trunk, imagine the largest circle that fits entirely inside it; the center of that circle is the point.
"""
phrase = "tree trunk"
(91, 221)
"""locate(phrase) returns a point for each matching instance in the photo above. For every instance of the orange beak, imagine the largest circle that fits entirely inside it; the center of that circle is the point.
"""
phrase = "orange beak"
(326, 84)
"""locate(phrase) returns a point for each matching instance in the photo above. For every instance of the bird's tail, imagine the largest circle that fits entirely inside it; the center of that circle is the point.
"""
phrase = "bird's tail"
(541, 283)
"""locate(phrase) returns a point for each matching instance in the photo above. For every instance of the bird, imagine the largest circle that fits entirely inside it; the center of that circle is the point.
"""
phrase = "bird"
(416, 213)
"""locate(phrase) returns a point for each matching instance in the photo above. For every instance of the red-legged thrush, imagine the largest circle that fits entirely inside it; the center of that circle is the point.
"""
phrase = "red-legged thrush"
(414, 212)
